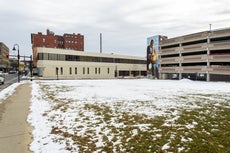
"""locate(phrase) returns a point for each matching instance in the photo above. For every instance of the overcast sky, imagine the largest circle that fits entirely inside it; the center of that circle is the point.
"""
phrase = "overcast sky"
(124, 24)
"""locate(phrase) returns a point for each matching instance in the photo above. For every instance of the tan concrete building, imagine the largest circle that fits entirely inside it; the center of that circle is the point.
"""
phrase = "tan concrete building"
(69, 64)
(199, 56)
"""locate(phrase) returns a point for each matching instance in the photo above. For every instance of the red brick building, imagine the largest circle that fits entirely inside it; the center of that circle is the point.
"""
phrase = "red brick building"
(67, 41)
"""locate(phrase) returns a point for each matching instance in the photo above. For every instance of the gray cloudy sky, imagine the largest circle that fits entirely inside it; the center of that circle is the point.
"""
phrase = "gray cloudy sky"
(125, 24)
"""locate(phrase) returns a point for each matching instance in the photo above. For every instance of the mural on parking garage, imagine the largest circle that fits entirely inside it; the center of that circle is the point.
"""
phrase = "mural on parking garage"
(152, 52)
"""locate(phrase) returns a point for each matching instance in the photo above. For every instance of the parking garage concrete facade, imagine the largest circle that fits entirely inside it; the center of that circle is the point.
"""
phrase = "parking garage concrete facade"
(199, 56)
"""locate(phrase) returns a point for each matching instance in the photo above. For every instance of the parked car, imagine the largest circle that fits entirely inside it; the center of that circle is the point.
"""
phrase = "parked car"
(12, 72)
(2, 80)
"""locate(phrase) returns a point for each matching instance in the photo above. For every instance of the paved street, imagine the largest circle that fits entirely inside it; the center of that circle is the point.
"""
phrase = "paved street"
(9, 79)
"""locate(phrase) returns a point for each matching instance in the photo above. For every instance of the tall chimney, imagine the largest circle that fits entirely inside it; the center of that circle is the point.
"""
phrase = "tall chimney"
(100, 42)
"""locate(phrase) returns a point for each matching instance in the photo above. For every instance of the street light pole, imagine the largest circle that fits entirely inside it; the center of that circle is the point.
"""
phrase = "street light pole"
(14, 49)
(31, 68)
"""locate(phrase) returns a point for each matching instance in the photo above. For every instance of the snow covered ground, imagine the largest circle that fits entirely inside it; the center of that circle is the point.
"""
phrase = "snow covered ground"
(8, 91)
(124, 115)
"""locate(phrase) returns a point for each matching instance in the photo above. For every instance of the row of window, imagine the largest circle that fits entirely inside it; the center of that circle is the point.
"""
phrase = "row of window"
(62, 42)
(67, 42)
(71, 42)
(73, 36)
(58, 42)
(84, 71)
(61, 57)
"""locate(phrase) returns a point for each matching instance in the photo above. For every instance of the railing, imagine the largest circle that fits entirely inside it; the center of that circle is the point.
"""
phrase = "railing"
(169, 60)
(194, 69)
(219, 33)
(185, 69)
(214, 69)
(173, 50)
(197, 58)
(219, 45)
(217, 69)
(194, 59)
(220, 58)
(196, 36)
(168, 42)
(194, 48)
(167, 69)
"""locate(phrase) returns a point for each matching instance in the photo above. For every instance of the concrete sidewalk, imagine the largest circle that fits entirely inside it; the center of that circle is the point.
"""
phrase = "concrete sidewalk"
(15, 131)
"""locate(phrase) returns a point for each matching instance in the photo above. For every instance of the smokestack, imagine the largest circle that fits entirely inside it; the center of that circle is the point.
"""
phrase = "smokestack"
(100, 42)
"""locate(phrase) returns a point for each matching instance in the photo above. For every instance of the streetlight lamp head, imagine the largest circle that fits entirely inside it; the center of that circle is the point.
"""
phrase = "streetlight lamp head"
(14, 48)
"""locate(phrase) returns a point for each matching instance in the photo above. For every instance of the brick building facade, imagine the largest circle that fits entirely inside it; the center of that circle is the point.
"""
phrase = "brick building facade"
(50, 40)
(4, 57)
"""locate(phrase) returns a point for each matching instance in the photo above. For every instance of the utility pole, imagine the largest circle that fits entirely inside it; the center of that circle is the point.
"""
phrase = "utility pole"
(14, 48)
(31, 68)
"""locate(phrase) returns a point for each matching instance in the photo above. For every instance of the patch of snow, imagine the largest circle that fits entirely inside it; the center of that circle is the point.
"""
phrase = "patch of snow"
(190, 126)
(5, 93)
(183, 139)
(180, 149)
(135, 132)
(166, 146)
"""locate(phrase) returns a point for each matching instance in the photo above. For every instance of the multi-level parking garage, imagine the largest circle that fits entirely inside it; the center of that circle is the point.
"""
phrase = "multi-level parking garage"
(199, 56)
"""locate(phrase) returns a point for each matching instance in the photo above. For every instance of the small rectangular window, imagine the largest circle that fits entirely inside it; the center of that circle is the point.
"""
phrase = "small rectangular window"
(56, 70)
(95, 70)
(75, 70)
(61, 71)
(108, 70)
(99, 70)
(83, 70)
(88, 70)
(70, 70)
